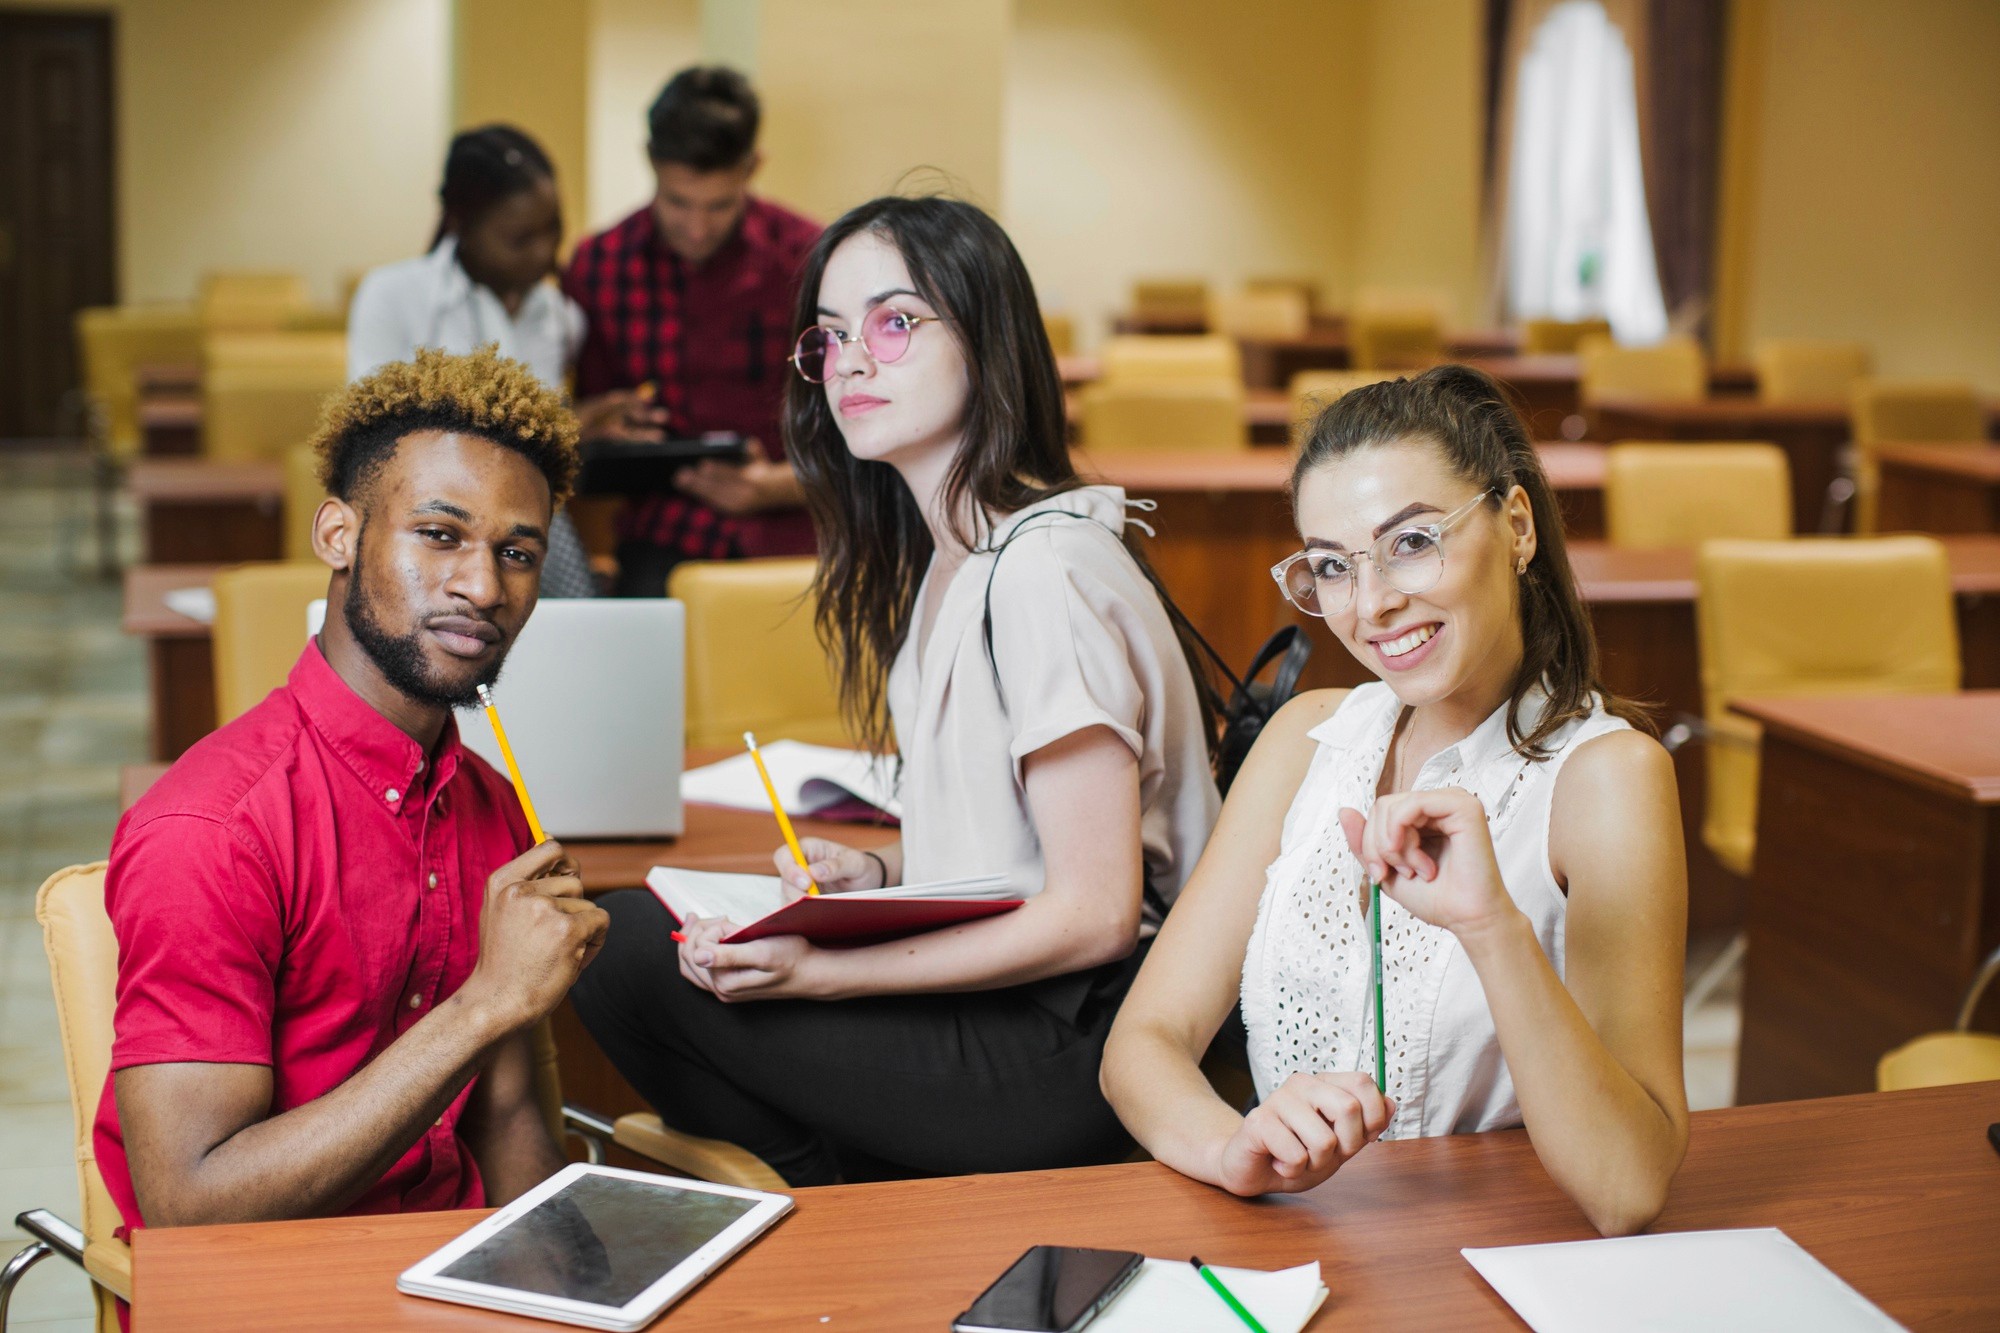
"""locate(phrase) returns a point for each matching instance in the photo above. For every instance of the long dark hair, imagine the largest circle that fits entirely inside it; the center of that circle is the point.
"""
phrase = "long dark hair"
(485, 167)
(1466, 416)
(874, 545)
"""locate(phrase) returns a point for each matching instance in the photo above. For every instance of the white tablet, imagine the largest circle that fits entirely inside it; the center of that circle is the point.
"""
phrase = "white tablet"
(596, 1246)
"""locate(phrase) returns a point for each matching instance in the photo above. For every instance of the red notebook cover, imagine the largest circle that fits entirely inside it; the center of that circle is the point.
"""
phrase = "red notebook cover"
(836, 921)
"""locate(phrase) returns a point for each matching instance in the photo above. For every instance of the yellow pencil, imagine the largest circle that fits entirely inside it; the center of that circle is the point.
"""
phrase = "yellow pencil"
(784, 824)
(513, 769)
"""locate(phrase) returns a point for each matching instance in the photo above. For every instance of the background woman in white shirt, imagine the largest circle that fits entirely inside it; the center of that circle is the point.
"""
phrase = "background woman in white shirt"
(486, 279)
(993, 633)
(1527, 839)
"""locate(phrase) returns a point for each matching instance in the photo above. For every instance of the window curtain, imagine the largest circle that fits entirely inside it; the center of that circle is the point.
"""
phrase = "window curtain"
(1675, 50)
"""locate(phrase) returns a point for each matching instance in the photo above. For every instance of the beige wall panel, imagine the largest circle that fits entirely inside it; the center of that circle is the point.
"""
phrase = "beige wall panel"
(527, 63)
(635, 47)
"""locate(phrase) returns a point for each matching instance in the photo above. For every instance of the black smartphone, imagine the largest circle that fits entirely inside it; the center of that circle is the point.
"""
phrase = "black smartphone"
(643, 467)
(1050, 1289)
(1993, 1136)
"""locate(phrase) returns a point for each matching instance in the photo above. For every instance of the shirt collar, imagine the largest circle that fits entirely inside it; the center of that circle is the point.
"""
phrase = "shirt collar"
(378, 752)
(1487, 743)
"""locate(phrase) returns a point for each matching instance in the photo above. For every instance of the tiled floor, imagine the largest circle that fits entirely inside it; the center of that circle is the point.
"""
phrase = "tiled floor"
(72, 710)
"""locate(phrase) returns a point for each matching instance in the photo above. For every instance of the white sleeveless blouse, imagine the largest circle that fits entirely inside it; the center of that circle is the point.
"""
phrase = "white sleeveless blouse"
(1306, 998)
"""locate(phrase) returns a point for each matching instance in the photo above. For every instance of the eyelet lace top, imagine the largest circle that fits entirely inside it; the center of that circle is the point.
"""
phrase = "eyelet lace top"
(1306, 999)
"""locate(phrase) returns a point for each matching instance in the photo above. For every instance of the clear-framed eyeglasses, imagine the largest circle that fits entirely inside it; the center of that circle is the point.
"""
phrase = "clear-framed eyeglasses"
(885, 333)
(1410, 560)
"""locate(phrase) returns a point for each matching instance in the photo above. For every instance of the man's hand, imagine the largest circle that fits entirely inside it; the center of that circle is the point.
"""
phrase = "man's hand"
(536, 934)
(624, 414)
(742, 488)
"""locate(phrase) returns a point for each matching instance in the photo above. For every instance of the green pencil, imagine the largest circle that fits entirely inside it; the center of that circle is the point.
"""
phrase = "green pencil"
(1375, 914)
(1229, 1297)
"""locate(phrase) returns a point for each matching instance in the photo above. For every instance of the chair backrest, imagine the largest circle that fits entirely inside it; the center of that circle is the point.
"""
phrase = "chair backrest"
(112, 343)
(1815, 616)
(1169, 356)
(1559, 337)
(249, 302)
(1313, 389)
(1395, 339)
(1307, 288)
(1660, 495)
(1808, 370)
(1673, 371)
(1062, 332)
(83, 963)
(262, 393)
(1275, 313)
(1170, 301)
(1197, 416)
(303, 494)
(1907, 411)
(754, 662)
(260, 629)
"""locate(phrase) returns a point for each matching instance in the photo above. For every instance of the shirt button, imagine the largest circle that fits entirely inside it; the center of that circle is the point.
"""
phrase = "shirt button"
(416, 1002)
(434, 881)
(392, 795)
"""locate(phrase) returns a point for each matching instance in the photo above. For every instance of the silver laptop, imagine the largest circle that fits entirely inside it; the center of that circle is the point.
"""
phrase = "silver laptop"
(591, 697)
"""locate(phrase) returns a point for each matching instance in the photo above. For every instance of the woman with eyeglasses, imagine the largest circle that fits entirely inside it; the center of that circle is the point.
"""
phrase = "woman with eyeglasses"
(1526, 837)
(1001, 645)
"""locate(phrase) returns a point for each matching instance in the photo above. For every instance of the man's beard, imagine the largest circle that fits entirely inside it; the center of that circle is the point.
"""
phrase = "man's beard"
(400, 658)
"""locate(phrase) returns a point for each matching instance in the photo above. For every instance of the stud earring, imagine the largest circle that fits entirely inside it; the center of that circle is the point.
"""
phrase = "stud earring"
(1521, 565)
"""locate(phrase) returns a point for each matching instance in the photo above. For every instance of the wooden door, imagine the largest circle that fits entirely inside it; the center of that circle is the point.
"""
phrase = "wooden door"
(55, 208)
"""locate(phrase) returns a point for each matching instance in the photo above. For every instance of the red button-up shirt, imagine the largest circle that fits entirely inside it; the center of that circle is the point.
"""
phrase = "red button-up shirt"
(714, 337)
(296, 892)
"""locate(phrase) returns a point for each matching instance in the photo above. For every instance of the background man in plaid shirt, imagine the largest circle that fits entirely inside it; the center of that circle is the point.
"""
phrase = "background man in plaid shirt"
(690, 307)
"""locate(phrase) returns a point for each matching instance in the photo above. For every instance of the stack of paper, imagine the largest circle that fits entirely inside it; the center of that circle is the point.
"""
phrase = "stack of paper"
(745, 898)
(1169, 1296)
(809, 779)
(1700, 1281)
(761, 906)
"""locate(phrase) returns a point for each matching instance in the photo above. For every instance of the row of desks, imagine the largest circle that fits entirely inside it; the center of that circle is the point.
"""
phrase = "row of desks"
(1898, 1194)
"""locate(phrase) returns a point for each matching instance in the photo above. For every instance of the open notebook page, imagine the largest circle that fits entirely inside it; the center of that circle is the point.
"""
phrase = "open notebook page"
(809, 778)
(746, 898)
(1168, 1296)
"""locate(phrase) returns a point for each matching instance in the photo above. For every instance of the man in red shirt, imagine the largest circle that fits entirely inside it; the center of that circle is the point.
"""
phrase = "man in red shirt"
(331, 944)
(691, 306)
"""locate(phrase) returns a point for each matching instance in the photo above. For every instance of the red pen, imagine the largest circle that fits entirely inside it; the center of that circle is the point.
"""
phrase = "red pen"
(677, 937)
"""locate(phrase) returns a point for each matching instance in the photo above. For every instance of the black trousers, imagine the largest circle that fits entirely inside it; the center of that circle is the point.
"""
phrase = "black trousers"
(875, 1088)
(643, 569)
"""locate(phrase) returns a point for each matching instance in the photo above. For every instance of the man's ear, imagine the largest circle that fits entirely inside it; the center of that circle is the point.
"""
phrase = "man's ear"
(752, 165)
(336, 533)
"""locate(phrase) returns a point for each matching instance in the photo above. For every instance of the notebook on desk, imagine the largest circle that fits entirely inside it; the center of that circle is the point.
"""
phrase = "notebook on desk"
(817, 780)
(756, 903)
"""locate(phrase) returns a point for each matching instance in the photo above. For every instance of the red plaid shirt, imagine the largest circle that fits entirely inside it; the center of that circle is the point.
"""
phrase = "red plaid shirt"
(714, 338)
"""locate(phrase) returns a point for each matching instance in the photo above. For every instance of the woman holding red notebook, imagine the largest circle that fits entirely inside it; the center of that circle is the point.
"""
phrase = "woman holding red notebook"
(997, 638)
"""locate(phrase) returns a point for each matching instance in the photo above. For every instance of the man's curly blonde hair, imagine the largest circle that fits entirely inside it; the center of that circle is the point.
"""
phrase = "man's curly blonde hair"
(484, 394)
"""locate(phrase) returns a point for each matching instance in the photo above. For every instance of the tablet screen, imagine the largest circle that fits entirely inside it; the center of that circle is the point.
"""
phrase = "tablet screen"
(600, 1239)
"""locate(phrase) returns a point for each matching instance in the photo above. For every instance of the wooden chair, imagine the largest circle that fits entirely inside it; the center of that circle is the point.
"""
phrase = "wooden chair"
(1810, 616)
(1170, 302)
(302, 498)
(83, 962)
(1808, 370)
(1062, 332)
(1312, 390)
(1681, 495)
(1165, 356)
(1395, 339)
(1958, 1056)
(260, 629)
(249, 302)
(754, 662)
(1673, 371)
(262, 392)
(1906, 412)
(112, 343)
(1275, 314)
(1559, 337)
(1198, 416)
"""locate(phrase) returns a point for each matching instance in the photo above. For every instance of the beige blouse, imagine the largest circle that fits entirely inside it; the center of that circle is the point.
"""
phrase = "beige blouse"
(1080, 639)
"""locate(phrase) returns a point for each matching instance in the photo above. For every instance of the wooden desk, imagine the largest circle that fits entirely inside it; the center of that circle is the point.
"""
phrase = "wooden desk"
(179, 659)
(1877, 886)
(170, 425)
(1547, 387)
(1897, 1193)
(1939, 487)
(167, 377)
(1267, 413)
(203, 511)
(1811, 434)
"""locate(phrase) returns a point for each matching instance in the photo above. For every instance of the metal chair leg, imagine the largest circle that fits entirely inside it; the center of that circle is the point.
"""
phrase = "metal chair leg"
(1712, 976)
(15, 1269)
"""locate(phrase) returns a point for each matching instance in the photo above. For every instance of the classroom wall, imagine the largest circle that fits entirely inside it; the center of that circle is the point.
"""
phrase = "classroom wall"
(526, 63)
(1869, 209)
(635, 47)
(305, 136)
(1336, 140)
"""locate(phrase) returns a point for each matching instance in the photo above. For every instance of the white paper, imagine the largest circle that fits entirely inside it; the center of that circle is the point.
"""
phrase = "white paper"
(194, 603)
(809, 778)
(1169, 1296)
(1708, 1281)
(746, 898)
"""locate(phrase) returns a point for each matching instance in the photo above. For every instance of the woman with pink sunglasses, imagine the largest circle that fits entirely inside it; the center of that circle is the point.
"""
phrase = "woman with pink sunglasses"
(998, 641)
